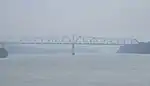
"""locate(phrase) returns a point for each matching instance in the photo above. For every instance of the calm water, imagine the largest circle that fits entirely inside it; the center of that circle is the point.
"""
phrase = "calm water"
(79, 70)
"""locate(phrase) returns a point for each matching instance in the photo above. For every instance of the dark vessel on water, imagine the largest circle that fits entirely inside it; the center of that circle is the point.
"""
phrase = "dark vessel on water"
(3, 53)
(140, 48)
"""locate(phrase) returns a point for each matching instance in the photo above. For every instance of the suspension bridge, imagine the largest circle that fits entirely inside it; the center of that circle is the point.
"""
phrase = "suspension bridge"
(73, 40)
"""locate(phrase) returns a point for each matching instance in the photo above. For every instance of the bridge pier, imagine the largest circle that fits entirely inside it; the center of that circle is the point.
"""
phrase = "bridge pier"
(73, 44)
(73, 49)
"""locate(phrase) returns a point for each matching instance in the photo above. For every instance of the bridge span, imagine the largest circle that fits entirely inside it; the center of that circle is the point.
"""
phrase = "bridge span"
(73, 40)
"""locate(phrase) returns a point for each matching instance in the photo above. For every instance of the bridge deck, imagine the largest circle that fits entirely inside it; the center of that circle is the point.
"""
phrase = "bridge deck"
(76, 40)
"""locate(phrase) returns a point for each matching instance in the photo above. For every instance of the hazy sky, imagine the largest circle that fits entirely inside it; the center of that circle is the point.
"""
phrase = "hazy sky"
(109, 18)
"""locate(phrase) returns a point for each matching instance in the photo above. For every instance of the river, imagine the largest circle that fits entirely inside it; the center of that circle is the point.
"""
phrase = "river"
(79, 70)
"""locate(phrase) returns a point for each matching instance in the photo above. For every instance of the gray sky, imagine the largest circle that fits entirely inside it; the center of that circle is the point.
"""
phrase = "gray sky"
(108, 18)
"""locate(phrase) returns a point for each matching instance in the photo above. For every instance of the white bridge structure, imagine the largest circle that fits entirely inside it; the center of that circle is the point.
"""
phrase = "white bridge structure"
(73, 40)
